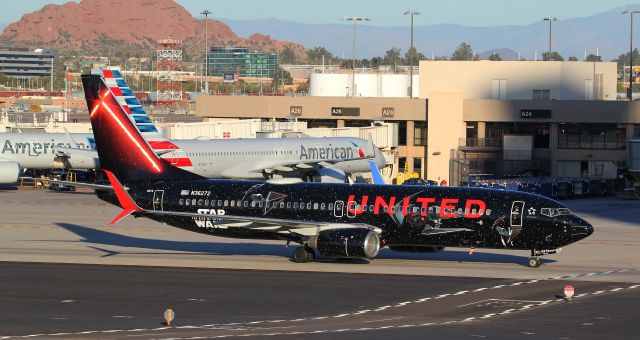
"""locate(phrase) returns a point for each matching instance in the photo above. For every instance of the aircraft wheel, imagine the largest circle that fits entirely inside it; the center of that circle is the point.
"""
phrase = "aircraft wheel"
(534, 262)
(311, 255)
(302, 255)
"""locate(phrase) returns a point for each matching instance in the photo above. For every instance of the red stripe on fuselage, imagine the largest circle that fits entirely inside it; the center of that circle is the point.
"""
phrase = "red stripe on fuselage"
(181, 162)
(163, 145)
(107, 74)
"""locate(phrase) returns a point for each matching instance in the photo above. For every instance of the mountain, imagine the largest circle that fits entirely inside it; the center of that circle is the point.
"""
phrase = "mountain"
(504, 53)
(607, 32)
(103, 25)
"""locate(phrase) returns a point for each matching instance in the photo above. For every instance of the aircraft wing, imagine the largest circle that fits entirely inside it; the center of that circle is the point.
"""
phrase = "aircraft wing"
(85, 185)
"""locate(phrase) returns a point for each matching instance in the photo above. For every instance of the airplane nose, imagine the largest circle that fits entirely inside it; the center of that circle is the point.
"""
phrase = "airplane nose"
(580, 228)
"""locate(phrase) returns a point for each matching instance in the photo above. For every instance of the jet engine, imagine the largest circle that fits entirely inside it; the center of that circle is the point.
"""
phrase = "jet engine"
(9, 171)
(329, 174)
(416, 249)
(347, 243)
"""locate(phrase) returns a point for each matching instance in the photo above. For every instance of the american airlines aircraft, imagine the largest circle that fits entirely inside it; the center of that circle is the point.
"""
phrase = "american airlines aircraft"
(43, 151)
(328, 159)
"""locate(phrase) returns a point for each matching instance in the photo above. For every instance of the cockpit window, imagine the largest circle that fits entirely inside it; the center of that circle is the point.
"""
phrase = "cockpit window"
(553, 212)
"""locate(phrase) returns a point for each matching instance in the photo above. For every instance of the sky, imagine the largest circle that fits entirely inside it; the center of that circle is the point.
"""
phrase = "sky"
(380, 12)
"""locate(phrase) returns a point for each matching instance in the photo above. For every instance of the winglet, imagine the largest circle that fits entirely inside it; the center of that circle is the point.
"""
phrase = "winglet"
(127, 204)
(375, 173)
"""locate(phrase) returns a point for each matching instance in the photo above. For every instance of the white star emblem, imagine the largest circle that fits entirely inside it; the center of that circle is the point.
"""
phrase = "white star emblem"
(532, 211)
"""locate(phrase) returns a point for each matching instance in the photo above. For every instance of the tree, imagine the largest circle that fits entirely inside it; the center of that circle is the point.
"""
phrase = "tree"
(593, 57)
(282, 76)
(317, 55)
(376, 62)
(495, 57)
(392, 57)
(286, 56)
(463, 52)
(416, 56)
(572, 58)
(623, 59)
(554, 56)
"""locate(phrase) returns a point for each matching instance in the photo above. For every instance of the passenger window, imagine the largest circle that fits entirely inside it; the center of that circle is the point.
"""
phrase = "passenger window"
(200, 201)
(260, 204)
(220, 203)
(301, 205)
(206, 202)
(315, 206)
(295, 205)
(322, 206)
(267, 204)
(309, 206)
(330, 207)
(288, 205)
(186, 202)
(246, 204)
(226, 203)
(281, 205)
(181, 202)
(233, 203)
(193, 201)
(253, 204)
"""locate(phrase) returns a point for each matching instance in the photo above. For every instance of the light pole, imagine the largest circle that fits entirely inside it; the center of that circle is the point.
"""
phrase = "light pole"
(353, 65)
(412, 13)
(550, 20)
(206, 13)
(630, 89)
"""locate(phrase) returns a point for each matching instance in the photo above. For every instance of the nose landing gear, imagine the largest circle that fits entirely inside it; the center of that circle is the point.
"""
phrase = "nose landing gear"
(534, 260)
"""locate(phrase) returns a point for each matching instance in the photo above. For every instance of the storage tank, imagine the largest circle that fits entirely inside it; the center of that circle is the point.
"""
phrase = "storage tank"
(634, 155)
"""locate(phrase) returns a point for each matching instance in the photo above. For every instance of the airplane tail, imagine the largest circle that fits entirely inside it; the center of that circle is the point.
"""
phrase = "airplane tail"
(117, 131)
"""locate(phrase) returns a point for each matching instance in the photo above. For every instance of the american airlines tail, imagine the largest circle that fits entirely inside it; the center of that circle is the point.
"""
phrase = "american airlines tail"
(117, 128)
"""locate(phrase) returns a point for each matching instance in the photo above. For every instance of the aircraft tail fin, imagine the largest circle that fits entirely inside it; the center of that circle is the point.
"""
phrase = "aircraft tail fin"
(375, 173)
(121, 147)
(130, 104)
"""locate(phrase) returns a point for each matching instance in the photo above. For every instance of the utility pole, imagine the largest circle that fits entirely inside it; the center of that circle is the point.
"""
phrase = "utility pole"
(550, 20)
(630, 89)
(353, 65)
(412, 13)
(206, 13)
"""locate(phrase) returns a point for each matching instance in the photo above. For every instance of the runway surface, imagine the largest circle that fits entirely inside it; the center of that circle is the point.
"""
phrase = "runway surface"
(65, 271)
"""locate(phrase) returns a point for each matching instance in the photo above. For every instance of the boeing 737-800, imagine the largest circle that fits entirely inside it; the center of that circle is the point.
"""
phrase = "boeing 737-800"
(334, 220)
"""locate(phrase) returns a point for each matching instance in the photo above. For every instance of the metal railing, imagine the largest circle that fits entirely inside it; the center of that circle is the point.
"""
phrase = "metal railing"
(480, 142)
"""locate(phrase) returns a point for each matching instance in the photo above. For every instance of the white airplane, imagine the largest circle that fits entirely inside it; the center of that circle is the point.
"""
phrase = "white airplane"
(325, 159)
(43, 150)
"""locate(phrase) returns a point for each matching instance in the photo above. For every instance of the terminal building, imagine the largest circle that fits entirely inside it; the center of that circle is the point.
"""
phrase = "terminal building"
(494, 118)
(23, 63)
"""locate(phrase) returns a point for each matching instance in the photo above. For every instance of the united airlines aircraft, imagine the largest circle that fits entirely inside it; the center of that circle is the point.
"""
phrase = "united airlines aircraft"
(330, 219)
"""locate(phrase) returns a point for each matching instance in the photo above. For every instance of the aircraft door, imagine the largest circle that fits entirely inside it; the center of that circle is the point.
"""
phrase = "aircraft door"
(158, 196)
(351, 209)
(517, 211)
(338, 209)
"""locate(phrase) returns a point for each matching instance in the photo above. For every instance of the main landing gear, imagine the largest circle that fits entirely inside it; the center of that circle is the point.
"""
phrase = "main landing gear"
(534, 260)
(303, 254)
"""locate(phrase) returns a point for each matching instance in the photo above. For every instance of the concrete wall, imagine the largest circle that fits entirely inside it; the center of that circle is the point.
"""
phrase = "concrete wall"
(475, 79)
(446, 126)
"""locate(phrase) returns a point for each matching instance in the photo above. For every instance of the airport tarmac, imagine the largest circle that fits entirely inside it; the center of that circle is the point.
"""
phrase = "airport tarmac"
(52, 243)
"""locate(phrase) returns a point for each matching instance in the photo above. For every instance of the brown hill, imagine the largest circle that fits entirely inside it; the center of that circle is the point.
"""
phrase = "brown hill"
(96, 26)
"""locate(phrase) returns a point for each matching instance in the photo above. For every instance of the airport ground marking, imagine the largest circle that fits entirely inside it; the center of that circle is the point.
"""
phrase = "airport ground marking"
(468, 319)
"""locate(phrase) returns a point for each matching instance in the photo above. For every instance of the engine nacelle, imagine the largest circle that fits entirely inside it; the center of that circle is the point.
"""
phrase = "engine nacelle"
(329, 174)
(9, 171)
(416, 249)
(347, 243)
